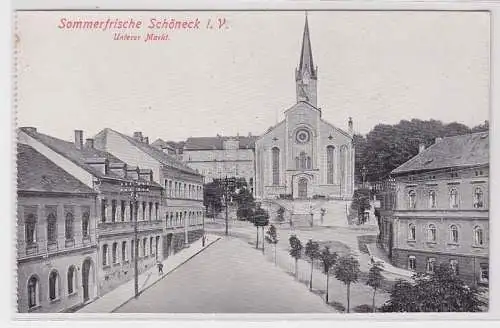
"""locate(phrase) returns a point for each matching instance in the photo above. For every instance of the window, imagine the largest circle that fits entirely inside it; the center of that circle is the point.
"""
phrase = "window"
(184, 191)
(51, 228)
(150, 217)
(302, 161)
(53, 285)
(71, 280)
(478, 198)
(144, 247)
(151, 246)
(412, 263)
(33, 292)
(114, 250)
(103, 210)
(431, 233)
(104, 255)
(124, 251)
(157, 207)
(453, 198)
(454, 234)
(430, 264)
(411, 232)
(478, 236)
(30, 226)
(132, 249)
(483, 273)
(412, 199)
(156, 245)
(144, 211)
(330, 151)
(170, 188)
(432, 199)
(308, 163)
(69, 228)
(454, 266)
(85, 224)
(123, 206)
(113, 210)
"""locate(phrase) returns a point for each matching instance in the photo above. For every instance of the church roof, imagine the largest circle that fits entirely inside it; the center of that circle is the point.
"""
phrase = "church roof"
(36, 172)
(306, 57)
(214, 143)
(458, 151)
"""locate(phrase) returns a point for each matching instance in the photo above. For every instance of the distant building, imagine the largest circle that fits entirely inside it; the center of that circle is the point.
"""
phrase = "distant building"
(114, 209)
(441, 209)
(56, 239)
(183, 186)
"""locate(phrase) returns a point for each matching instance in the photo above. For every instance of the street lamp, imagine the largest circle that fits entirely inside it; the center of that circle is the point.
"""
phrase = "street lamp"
(134, 188)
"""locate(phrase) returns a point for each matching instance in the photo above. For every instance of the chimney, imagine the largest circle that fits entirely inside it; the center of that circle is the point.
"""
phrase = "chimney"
(146, 140)
(249, 134)
(421, 147)
(133, 172)
(349, 126)
(438, 139)
(138, 136)
(120, 169)
(89, 143)
(78, 139)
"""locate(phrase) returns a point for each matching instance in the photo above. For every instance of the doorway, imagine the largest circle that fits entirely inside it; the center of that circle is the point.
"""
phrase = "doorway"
(302, 188)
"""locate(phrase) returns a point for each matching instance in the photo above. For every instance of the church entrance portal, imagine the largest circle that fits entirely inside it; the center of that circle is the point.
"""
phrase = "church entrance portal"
(303, 188)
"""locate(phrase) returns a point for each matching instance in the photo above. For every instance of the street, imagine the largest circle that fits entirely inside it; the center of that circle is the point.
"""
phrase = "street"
(228, 277)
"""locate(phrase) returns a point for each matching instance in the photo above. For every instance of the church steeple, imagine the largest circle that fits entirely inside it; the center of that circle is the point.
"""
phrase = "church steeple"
(306, 74)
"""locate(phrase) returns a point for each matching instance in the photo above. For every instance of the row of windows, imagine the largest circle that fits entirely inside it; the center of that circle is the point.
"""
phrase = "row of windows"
(452, 175)
(143, 210)
(52, 226)
(430, 266)
(174, 189)
(454, 235)
(178, 219)
(454, 201)
(33, 288)
(144, 250)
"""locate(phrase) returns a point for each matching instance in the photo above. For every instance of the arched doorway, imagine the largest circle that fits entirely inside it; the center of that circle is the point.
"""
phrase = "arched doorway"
(302, 188)
(88, 280)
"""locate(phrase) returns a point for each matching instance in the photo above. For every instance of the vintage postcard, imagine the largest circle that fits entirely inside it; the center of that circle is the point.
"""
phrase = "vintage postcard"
(305, 161)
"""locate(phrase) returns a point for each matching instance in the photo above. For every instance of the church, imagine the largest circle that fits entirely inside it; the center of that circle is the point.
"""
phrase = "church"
(304, 156)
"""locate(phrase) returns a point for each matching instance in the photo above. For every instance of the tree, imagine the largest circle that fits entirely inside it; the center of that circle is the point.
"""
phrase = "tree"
(246, 203)
(360, 202)
(272, 238)
(212, 197)
(347, 271)
(260, 219)
(328, 260)
(442, 291)
(312, 252)
(322, 213)
(375, 279)
(280, 214)
(295, 251)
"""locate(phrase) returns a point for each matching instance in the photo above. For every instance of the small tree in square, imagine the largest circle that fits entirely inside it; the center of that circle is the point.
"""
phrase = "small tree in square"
(347, 271)
(312, 252)
(272, 238)
(328, 260)
(295, 251)
(280, 214)
(375, 279)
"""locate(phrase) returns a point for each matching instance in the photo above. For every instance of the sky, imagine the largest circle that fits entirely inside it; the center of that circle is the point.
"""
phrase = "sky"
(376, 67)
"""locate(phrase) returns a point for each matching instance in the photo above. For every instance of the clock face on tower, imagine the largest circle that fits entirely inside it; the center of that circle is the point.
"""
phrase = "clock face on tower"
(302, 136)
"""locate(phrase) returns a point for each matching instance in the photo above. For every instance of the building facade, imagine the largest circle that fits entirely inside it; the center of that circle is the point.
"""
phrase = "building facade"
(114, 210)
(441, 210)
(182, 214)
(56, 239)
(304, 156)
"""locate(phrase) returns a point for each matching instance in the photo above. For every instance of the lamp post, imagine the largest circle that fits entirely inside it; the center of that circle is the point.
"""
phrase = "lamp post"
(134, 188)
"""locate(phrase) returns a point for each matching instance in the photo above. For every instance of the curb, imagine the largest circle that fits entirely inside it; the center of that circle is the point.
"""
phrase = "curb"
(166, 274)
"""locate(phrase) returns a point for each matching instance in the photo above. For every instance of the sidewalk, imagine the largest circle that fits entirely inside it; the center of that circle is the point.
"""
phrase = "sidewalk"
(123, 293)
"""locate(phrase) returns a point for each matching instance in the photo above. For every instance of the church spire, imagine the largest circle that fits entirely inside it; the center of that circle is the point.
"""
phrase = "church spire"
(306, 74)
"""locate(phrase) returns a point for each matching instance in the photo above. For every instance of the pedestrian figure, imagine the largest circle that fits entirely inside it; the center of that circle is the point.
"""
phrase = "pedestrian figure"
(160, 268)
(291, 223)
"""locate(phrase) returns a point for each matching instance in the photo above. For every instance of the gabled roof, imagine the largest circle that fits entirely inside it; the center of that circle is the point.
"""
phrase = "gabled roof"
(154, 152)
(36, 172)
(79, 156)
(450, 152)
(216, 143)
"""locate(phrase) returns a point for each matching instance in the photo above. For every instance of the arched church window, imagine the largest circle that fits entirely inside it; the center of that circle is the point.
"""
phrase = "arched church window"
(276, 166)
(329, 164)
(302, 158)
(308, 162)
(342, 165)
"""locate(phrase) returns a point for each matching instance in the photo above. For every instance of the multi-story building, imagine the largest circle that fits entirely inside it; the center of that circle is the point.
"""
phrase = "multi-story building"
(56, 244)
(441, 210)
(116, 210)
(218, 157)
(183, 196)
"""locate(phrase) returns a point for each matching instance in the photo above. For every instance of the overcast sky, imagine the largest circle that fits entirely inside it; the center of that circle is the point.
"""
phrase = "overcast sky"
(377, 67)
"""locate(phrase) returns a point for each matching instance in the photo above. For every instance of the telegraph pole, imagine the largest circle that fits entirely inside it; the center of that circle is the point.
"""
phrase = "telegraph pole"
(226, 187)
(135, 187)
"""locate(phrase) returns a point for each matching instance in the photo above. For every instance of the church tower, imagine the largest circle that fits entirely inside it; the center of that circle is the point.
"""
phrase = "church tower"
(306, 77)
